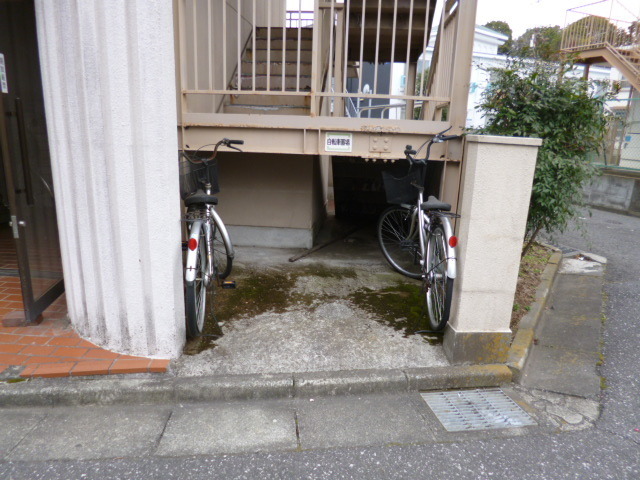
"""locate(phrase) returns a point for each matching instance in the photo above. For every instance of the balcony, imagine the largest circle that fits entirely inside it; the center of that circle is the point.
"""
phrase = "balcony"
(299, 69)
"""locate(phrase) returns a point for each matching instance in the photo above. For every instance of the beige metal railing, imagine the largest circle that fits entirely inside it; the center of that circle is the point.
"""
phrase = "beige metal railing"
(261, 52)
(607, 23)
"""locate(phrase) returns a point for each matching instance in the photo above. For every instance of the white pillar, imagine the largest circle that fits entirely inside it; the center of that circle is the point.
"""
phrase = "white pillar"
(109, 86)
(495, 191)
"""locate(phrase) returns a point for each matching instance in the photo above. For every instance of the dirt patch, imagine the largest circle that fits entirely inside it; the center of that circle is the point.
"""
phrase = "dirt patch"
(531, 268)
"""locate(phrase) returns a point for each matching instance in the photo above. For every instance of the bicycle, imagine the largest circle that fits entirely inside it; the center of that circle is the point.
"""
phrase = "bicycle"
(420, 246)
(209, 249)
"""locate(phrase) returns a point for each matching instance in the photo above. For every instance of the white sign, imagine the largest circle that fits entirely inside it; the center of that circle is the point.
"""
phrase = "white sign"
(4, 87)
(338, 142)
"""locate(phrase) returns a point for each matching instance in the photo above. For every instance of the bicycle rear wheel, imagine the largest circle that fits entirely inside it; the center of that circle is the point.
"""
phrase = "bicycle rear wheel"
(402, 252)
(438, 288)
(196, 292)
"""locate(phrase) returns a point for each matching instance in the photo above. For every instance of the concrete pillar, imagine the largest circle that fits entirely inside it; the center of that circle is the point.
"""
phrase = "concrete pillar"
(497, 174)
(109, 87)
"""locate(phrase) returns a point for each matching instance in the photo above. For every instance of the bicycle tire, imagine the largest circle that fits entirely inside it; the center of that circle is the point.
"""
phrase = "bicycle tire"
(196, 293)
(401, 253)
(222, 257)
(437, 286)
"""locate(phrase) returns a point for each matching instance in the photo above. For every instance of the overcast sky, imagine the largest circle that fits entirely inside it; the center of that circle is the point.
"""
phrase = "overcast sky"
(524, 14)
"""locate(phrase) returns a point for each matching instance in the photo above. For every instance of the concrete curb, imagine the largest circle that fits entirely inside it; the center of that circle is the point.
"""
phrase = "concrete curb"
(113, 391)
(523, 340)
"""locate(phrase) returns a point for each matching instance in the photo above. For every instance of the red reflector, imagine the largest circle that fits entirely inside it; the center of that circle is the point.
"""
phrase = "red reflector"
(193, 244)
(453, 241)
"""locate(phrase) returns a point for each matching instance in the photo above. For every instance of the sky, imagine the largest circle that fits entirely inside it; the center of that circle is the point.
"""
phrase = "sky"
(524, 14)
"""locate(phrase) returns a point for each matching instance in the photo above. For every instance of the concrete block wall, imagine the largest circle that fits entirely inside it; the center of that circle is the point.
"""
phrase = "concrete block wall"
(618, 191)
(497, 175)
(109, 86)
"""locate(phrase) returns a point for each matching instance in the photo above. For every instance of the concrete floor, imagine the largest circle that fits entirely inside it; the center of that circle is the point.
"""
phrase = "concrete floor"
(323, 325)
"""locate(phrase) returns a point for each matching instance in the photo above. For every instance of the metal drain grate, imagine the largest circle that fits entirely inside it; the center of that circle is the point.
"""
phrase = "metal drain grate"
(461, 410)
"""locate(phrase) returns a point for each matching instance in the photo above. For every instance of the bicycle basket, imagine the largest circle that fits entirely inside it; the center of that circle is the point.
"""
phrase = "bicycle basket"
(400, 190)
(194, 176)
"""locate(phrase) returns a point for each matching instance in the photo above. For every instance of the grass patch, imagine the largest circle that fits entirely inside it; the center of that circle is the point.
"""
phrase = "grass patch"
(531, 267)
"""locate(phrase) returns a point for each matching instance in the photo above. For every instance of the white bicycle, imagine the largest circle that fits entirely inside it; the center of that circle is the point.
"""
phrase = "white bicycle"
(209, 249)
(420, 246)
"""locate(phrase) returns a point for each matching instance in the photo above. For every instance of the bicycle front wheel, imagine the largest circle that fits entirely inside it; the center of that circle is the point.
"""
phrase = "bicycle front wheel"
(438, 288)
(196, 292)
(401, 251)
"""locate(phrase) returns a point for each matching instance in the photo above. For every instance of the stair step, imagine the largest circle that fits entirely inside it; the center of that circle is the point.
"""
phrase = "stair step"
(292, 33)
(271, 100)
(267, 110)
(276, 55)
(275, 82)
(290, 68)
(290, 44)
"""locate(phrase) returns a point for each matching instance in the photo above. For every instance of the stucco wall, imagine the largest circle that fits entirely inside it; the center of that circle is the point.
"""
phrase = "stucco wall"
(108, 80)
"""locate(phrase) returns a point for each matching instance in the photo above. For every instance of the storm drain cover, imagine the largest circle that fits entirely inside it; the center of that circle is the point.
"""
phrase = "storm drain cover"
(482, 409)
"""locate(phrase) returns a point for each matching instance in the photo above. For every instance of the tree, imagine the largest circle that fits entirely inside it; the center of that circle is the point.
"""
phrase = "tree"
(536, 99)
(542, 43)
(504, 28)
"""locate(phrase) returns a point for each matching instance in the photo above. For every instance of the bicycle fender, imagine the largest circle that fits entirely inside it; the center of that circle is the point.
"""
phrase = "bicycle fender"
(223, 231)
(451, 251)
(192, 255)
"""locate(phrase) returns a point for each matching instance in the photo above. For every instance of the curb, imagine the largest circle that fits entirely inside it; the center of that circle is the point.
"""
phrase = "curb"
(115, 391)
(521, 345)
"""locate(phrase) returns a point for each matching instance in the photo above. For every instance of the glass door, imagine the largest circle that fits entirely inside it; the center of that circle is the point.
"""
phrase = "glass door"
(24, 149)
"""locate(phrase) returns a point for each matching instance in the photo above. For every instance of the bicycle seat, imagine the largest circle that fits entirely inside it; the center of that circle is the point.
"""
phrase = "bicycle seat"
(199, 198)
(433, 203)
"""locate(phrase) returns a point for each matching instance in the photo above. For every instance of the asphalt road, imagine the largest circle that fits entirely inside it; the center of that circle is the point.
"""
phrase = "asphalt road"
(608, 450)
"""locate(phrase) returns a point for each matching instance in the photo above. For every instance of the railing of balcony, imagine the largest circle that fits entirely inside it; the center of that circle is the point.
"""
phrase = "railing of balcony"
(600, 24)
(278, 52)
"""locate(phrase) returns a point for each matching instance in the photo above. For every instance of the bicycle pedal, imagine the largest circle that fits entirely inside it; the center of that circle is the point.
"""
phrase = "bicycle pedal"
(229, 284)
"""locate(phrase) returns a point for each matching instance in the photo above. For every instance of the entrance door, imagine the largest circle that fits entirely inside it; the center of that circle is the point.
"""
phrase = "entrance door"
(24, 149)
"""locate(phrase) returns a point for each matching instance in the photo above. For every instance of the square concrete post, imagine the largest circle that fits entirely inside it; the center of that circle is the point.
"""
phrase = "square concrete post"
(495, 192)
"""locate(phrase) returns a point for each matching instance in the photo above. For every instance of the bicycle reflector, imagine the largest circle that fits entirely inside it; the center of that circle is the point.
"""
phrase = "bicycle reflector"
(193, 244)
(453, 241)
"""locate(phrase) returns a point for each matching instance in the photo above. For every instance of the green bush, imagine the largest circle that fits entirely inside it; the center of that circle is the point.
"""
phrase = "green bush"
(527, 99)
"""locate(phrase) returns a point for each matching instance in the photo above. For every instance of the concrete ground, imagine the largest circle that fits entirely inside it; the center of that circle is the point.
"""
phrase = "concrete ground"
(386, 434)
(340, 308)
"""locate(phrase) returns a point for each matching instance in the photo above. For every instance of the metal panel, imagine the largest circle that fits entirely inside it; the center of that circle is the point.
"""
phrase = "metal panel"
(482, 409)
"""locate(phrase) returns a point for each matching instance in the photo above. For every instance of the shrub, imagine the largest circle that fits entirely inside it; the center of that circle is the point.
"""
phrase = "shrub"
(527, 99)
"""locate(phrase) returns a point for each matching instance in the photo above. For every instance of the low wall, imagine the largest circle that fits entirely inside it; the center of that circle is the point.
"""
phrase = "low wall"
(615, 190)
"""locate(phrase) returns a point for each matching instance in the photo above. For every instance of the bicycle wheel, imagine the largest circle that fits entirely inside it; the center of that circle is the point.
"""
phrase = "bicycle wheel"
(438, 288)
(402, 253)
(196, 292)
(222, 257)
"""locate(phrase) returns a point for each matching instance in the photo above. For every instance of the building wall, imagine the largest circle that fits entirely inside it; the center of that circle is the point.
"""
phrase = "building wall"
(109, 88)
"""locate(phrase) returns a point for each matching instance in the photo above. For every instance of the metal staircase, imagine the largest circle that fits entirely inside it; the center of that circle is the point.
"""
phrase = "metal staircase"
(282, 63)
(593, 38)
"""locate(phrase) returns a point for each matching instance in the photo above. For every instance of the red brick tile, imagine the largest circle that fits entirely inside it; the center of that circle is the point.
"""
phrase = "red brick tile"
(99, 353)
(158, 366)
(8, 338)
(28, 370)
(10, 348)
(70, 352)
(95, 367)
(31, 359)
(13, 297)
(132, 357)
(130, 366)
(12, 359)
(32, 340)
(64, 341)
(86, 344)
(37, 350)
(54, 370)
